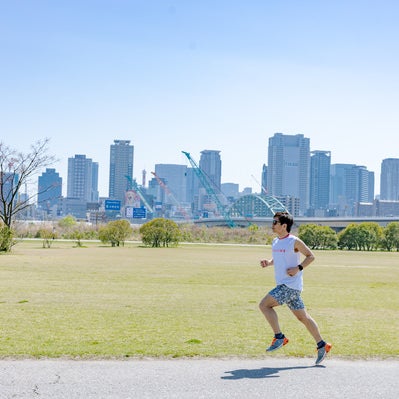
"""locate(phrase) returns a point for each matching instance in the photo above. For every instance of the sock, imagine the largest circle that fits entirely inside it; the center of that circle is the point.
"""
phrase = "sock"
(321, 344)
(279, 335)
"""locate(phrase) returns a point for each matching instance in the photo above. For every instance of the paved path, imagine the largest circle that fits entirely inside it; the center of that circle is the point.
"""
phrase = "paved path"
(270, 378)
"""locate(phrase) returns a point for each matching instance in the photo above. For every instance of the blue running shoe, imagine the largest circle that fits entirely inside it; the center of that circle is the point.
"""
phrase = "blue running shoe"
(322, 352)
(277, 344)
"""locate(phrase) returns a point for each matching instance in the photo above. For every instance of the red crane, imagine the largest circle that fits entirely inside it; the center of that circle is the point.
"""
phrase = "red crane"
(171, 196)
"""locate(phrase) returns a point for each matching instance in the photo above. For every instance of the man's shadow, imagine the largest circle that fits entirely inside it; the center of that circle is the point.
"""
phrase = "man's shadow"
(264, 372)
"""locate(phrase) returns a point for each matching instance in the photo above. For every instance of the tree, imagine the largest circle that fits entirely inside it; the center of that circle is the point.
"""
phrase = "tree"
(115, 232)
(308, 234)
(160, 232)
(347, 237)
(318, 237)
(390, 236)
(362, 236)
(370, 234)
(16, 171)
(67, 223)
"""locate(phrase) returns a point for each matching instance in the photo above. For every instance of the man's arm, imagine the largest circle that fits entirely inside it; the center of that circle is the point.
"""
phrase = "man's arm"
(266, 262)
(301, 247)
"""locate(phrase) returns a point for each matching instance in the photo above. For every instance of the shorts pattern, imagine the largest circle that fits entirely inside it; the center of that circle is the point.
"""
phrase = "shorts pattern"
(285, 295)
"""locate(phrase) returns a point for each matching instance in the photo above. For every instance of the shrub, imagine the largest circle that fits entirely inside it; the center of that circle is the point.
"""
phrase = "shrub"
(160, 232)
(6, 238)
(47, 235)
(115, 232)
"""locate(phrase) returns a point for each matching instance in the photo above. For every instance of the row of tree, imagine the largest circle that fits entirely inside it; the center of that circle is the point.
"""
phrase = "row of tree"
(156, 233)
(366, 236)
(163, 232)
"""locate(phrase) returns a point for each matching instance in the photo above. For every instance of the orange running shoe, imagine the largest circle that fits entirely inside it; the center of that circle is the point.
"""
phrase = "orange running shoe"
(322, 352)
(277, 344)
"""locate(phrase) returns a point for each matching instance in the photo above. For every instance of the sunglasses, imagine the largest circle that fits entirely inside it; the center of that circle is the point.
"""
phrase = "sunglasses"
(275, 222)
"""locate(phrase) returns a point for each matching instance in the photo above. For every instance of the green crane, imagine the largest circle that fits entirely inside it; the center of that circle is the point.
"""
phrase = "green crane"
(204, 179)
(136, 188)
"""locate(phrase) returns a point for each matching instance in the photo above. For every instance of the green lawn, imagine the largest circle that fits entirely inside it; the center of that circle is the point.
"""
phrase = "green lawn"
(193, 300)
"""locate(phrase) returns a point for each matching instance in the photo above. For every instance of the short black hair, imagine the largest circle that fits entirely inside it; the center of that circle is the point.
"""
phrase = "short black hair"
(285, 218)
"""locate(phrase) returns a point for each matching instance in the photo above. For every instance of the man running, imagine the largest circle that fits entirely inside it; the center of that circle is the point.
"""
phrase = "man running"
(288, 272)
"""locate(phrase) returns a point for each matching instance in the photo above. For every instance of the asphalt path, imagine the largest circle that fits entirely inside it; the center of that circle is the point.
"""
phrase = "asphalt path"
(270, 378)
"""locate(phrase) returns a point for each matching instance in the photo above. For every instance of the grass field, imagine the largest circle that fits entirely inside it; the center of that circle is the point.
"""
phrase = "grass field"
(193, 300)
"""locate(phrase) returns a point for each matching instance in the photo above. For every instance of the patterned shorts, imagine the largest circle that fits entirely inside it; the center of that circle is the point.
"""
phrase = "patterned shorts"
(285, 295)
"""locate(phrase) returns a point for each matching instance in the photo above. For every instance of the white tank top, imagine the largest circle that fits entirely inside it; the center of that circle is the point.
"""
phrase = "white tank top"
(285, 257)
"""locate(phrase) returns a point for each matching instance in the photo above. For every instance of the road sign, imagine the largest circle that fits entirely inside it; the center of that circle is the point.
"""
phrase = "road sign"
(139, 213)
(112, 205)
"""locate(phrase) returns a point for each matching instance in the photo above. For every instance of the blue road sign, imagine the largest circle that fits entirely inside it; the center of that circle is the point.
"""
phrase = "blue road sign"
(139, 213)
(112, 205)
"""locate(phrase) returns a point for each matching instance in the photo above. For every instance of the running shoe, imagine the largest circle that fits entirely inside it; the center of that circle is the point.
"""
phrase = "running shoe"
(277, 344)
(322, 352)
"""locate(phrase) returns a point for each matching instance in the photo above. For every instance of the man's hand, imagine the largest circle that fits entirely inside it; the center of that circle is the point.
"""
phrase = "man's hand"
(292, 271)
(265, 263)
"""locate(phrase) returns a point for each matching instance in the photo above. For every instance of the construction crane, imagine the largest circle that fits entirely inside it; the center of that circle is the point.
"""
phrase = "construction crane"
(171, 196)
(138, 190)
(204, 179)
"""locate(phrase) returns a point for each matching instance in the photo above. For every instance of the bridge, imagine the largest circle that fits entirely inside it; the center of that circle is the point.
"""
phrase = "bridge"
(259, 210)
(336, 223)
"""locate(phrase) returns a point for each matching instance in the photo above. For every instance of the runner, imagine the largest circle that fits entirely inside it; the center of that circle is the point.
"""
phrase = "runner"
(288, 272)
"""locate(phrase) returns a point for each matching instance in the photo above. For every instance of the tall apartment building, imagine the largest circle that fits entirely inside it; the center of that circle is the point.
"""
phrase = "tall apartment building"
(320, 162)
(49, 189)
(389, 184)
(263, 180)
(288, 168)
(120, 169)
(231, 190)
(350, 184)
(366, 185)
(211, 164)
(192, 184)
(82, 179)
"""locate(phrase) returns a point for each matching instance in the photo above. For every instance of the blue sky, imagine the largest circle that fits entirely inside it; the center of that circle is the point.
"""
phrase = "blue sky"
(194, 75)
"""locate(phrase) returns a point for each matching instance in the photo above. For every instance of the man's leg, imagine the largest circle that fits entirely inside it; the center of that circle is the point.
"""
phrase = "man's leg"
(303, 316)
(322, 347)
(266, 306)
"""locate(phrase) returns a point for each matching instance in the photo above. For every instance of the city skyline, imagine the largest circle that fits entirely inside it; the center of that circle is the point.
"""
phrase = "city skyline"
(148, 175)
(192, 76)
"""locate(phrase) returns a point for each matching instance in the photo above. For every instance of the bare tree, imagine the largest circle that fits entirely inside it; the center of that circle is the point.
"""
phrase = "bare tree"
(16, 170)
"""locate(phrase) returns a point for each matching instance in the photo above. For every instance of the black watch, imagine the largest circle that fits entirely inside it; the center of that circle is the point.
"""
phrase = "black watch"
(300, 267)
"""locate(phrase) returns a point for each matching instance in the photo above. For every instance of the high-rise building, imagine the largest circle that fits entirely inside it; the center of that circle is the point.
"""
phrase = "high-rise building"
(192, 186)
(264, 180)
(49, 189)
(174, 177)
(366, 185)
(288, 168)
(389, 184)
(320, 162)
(359, 185)
(231, 191)
(82, 179)
(120, 169)
(338, 176)
(350, 185)
(211, 164)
